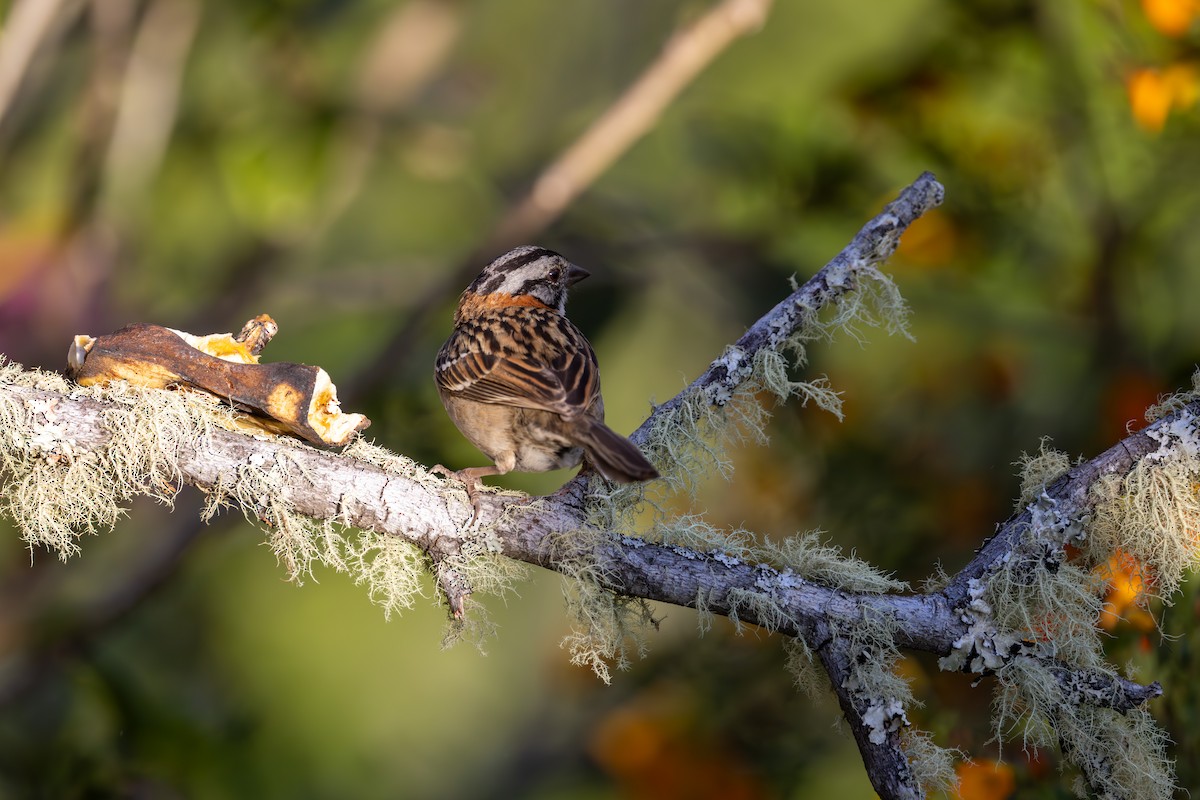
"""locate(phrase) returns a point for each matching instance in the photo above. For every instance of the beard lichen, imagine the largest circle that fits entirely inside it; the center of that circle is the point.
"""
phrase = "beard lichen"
(393, 568)
(932, 765)
(259, 490)
(1153, 512)
(799, 660)
(689, 440)
(607, 628)
(875, 684)
(873, 678)
(1051, 606)
(390, 567)
(1051, 611)
(1174, 402)
(1039, 470)
(1119, 755)
(813, 560)
(56, 489)
(766, 610)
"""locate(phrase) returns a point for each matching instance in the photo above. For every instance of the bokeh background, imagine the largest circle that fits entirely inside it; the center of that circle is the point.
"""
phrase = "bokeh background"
(344, 166)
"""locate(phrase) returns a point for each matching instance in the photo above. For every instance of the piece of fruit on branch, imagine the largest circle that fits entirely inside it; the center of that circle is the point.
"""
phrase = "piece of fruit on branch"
(283, 397)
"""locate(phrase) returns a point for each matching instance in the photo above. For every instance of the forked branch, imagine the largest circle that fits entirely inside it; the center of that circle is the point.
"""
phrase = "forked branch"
(852, 633)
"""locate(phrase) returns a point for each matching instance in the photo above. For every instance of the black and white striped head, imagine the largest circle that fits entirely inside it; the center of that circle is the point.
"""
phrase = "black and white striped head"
(529, 273)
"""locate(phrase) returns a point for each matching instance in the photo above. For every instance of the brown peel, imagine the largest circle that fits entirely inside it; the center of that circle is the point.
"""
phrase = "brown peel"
(282, 397)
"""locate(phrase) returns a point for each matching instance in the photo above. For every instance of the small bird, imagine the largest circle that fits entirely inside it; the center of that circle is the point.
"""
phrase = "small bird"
(521, 381)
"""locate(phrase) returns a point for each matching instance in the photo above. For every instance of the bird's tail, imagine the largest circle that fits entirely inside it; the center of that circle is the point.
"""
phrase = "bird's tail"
(614, 456)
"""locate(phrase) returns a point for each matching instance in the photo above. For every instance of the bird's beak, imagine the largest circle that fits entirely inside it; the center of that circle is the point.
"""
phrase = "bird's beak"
(575, 274)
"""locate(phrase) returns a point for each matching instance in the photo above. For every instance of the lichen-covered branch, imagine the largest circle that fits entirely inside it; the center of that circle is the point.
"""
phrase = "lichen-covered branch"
(1021, 611)
(875, 723)
(851, 272)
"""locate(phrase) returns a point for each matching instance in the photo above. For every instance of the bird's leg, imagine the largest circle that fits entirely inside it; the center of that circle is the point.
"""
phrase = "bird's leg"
(472, 479)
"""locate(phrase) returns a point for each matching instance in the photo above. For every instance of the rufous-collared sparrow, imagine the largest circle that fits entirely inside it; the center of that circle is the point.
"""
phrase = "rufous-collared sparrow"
(521, 381)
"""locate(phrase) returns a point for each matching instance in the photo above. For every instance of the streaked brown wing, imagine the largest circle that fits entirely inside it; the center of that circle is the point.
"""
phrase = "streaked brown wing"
(558, 375)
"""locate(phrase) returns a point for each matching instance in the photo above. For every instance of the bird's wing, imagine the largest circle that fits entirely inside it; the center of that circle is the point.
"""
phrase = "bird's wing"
(556, 373)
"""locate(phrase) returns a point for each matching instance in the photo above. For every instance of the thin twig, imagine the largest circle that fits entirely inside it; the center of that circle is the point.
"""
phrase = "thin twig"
(411, 46)
(684, 57)
(150, 94)
(29, 26)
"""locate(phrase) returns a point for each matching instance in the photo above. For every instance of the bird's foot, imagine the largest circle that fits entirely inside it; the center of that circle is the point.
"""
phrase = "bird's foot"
(471, 484)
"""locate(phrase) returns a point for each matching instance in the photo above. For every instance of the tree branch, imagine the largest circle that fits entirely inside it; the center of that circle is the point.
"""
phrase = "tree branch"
(398, 500)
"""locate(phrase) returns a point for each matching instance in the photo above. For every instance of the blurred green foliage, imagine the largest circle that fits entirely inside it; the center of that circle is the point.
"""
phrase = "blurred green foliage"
(334, 162)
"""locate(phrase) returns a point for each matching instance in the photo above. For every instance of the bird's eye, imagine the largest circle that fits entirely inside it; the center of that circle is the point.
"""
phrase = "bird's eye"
(555, 274)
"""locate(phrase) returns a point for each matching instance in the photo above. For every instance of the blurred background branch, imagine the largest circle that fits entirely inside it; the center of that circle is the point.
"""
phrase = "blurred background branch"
(30, 27)
(635, 112)
(149, 95)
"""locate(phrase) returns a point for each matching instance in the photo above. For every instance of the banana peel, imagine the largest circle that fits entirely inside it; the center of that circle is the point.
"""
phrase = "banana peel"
(282, 397)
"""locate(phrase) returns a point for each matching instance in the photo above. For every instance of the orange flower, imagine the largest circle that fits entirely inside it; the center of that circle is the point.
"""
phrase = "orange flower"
(985, 780)
(1126, 583)
(651, 751)
(1171, 17)
(931, 241)
(1153, 93)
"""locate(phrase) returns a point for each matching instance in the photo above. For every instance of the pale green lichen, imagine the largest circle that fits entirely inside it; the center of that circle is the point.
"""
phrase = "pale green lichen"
(872, 642)
(365, 450)
(1037, 598)
(936, 581)
(259, 490)
(16, 375)
(483, 569)
(391, 568)
(932, 765)
(807, 676)
(55, 489)
(695, 533)
(875, 682)
(53, 504)
(771, 374)
(1053, 610)
(874, 302)
(704, 615)
(765, 610)
(1153, 512)
(1120, 755)
(475, 628)
(1173, 402)
(813, 560)
(608, 629)
(689, 441)
(1039, 470)
(805, 555)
